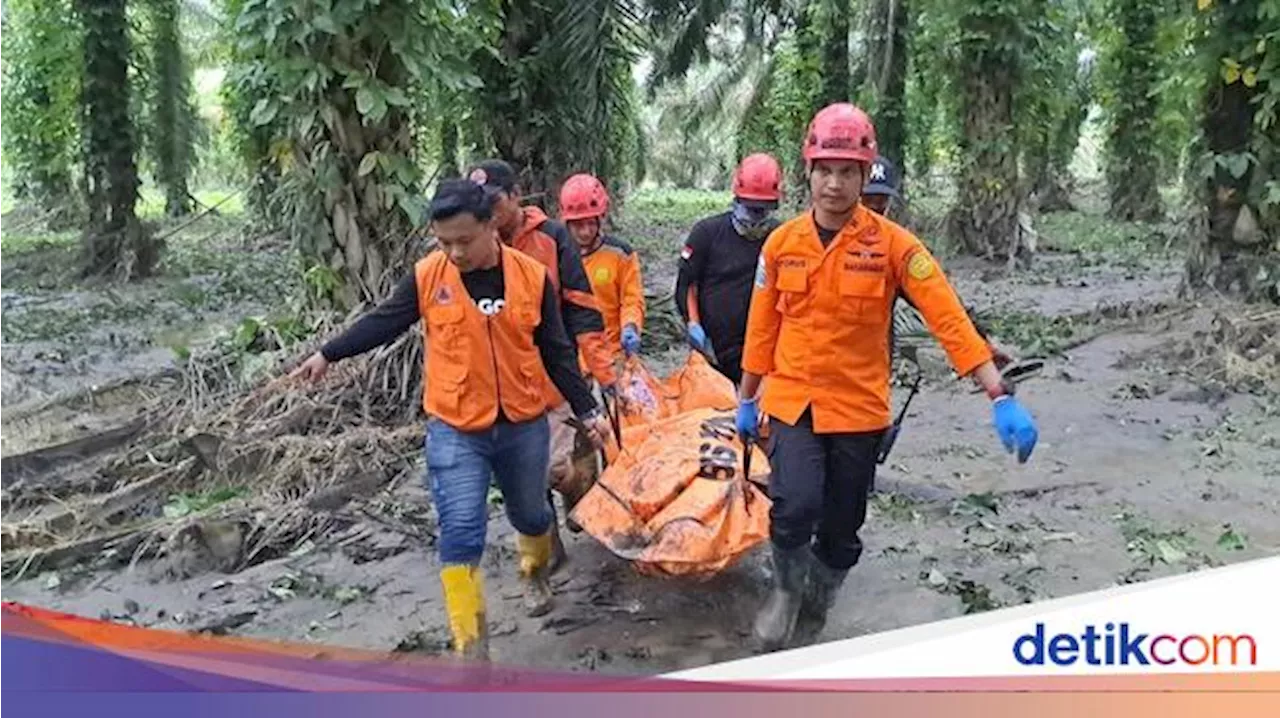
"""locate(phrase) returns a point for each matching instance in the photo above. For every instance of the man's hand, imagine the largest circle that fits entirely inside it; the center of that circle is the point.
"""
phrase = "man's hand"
(698, 338)
(313, 369)
(597, 428)
(1014, 425)
(630, 340)
(747, 421)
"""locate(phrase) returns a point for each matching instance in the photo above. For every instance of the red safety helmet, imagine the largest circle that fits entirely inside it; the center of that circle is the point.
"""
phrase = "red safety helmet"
(758, 177)
(582, 196)
(840, 132)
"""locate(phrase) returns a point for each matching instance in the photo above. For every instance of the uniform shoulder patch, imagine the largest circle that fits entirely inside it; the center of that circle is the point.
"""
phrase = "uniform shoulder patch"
(762, 276)
(601, 275)
(920, 266)
(686, 252)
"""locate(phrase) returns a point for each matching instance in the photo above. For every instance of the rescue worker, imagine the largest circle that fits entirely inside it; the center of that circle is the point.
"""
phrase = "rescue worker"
(614, 270)
(529, 230)
(612, 265)
(493, 333)
(817, 334)
(880, 194)
(718, 260)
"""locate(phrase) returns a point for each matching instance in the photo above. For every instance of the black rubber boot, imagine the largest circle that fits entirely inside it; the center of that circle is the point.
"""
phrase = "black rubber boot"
(819, 595)
(776, 620)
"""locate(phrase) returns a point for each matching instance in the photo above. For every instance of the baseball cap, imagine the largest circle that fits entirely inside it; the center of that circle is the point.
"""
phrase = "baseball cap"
(494, 175)
(882, 178)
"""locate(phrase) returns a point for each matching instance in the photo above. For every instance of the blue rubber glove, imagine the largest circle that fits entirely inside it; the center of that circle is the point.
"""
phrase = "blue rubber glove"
(1015, 426)
(748, 420)
(698, 338)
(630, 339)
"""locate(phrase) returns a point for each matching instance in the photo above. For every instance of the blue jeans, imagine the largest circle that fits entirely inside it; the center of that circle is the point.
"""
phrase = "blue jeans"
(460, 467)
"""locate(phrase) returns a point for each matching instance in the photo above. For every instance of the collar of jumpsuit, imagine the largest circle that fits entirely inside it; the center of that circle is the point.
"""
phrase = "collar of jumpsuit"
(822, 329)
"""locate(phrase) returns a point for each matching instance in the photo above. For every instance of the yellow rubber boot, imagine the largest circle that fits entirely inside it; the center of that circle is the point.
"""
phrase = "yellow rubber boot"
(464, 601)
(535, 559)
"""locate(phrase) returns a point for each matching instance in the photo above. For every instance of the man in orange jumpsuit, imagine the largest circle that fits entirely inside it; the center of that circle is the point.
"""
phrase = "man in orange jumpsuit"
(531, 231)
(613, 268)
(817, 335)
(612, 265)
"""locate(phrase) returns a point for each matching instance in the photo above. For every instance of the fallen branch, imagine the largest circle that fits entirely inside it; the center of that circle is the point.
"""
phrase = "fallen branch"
(29, 465)
(88, 394)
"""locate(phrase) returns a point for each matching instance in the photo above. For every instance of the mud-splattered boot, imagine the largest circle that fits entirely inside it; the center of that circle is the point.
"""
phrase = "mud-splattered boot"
(776, 621)
(464, 601)
(535, 560)
(819, 596)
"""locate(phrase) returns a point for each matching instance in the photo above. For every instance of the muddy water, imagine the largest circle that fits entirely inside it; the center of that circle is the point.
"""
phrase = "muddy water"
(1134, 478)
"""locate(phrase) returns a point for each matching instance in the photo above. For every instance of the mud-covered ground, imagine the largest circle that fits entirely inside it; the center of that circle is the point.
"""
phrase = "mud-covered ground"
(1152, 461)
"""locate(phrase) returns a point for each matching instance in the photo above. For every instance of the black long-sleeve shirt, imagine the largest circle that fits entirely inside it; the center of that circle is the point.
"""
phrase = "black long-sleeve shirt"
(722, 264)
(395, 315)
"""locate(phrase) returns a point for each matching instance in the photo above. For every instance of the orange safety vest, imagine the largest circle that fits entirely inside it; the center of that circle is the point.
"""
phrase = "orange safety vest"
(818, 328)
(614, 270)
(475, 363)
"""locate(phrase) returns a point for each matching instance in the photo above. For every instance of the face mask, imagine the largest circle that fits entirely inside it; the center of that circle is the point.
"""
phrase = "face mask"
(753, 223)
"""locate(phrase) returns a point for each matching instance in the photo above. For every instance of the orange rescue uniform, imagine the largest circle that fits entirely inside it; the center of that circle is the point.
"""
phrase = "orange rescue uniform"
(818, 328)
(475, 364)
(614, 270)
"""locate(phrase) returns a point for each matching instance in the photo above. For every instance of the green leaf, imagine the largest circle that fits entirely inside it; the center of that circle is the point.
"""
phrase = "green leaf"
(367, 164)
(1236, 164)
(1273, 192)
(1231, 540)
(324, 23)
(1169, 553)
(263, 112)
(396, 97)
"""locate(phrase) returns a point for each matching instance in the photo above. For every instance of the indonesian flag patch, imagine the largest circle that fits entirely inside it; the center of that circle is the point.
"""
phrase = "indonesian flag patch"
(686, 252)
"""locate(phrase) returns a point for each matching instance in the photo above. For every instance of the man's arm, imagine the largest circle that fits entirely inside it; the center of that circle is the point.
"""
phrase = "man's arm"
(763, 323)
(558, 355)
(923, 284)
(693, 262)
(632, 291)
(381, 326)
(581, 312)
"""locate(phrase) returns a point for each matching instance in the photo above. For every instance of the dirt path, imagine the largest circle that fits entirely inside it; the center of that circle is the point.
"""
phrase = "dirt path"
(1138, 474)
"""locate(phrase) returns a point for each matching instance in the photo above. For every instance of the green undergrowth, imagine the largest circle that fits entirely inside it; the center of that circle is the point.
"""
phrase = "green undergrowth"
(1101, 240)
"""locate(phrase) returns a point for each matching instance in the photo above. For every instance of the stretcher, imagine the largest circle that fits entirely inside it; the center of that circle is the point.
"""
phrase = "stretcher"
(681, 494)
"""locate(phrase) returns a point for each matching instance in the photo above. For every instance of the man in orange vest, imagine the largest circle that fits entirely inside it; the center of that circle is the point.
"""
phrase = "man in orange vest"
(494, 336)
(718, 260)
(529, 230)
(816, 359)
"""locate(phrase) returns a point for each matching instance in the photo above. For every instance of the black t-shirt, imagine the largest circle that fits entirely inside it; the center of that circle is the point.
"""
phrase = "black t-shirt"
(487, 288)
(722, 263)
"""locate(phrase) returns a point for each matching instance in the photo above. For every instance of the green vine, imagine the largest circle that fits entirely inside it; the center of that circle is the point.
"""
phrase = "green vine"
(1132, 76)
(171, 117)
(335, 84)
(42, 68)
(115, 243)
